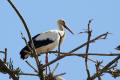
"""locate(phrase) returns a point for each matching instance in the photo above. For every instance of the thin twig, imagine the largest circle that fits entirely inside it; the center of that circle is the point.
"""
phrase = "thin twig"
(25, 41)
(87, 49)
(28, 74)
(2, 52)
(5, 59)
(55, 68)
(24, 38)
(60, 74)
(91, 41)
(31, 66)
(105, 68)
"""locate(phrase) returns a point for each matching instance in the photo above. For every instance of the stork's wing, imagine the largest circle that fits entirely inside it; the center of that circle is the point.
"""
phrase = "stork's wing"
(37, 44)
(40, 42)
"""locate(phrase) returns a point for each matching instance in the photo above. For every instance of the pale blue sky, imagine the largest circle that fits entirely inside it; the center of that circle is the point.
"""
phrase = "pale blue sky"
(41, 15)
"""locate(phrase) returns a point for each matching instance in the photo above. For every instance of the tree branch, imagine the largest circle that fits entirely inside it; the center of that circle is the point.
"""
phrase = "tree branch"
(87, 49)
(105, 68)
(31, 66)
(12, 75)
(5, 59)
(30, 39)
(69, 53)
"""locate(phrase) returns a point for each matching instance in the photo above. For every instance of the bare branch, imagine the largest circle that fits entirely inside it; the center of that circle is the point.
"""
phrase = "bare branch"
(25, 41)
(60, 74)
(87, 49)
(69, 53)
(2, 52)
(105, 68)
(84, 54)
(97, 65)
(30, 39)
(27, 74)
(91, 41)
(55, 68)
(31, 66)
(12, 75)
(5, 59)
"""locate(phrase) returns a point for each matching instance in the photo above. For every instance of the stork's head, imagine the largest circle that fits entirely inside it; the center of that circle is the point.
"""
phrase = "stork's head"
(62, 25)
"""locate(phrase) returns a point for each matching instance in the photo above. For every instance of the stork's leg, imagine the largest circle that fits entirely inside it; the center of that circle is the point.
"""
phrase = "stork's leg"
(46, 61)
(59, 45)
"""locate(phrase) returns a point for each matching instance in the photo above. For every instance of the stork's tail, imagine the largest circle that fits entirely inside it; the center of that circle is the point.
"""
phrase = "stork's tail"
(23, 53)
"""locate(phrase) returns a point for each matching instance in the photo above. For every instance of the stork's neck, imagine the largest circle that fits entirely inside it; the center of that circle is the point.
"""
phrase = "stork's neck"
(61, 28)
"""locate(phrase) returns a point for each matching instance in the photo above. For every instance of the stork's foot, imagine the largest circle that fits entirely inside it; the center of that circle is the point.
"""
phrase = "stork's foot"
(58, 54)
(39, 54)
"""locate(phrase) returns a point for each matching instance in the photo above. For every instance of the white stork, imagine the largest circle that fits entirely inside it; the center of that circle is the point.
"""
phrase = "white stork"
(47, 41)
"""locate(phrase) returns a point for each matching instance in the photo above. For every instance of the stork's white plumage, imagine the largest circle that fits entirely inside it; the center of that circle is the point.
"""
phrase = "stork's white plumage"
(47, 41)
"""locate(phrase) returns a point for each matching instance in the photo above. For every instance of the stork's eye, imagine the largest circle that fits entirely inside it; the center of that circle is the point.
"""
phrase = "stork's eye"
(62, 22)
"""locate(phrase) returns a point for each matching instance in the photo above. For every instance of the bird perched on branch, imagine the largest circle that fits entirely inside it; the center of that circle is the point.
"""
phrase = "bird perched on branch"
(46, 41)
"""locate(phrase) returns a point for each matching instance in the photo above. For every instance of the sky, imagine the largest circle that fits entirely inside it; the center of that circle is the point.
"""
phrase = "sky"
(42, 15)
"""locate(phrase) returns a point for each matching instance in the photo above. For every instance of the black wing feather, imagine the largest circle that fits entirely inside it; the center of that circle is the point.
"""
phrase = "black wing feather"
(37, 44)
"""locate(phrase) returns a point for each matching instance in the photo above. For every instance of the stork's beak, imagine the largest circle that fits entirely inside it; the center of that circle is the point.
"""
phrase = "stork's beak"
(68, 28)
